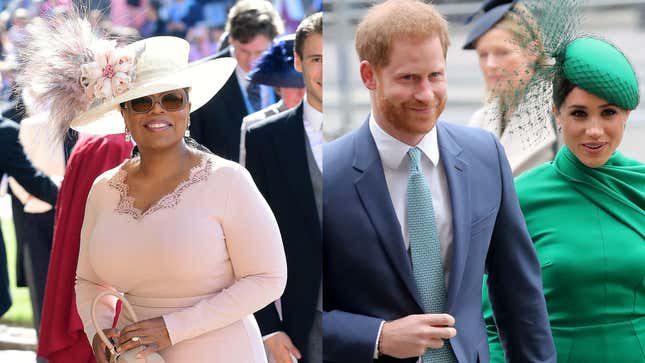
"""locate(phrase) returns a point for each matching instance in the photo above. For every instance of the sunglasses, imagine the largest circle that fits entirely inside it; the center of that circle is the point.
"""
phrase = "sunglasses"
(170, 101)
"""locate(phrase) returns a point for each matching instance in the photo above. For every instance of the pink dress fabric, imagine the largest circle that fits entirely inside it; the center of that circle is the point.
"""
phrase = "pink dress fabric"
(204, 257)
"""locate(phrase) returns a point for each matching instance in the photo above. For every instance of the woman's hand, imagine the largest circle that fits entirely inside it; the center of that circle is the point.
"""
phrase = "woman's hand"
(152, 333)
(99, 348)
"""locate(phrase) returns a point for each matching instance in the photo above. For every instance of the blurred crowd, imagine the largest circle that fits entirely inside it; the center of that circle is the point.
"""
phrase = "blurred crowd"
(258, 34)
(201, 22)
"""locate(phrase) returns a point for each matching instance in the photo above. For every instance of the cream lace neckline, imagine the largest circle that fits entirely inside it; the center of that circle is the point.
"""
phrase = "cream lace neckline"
(125, 205)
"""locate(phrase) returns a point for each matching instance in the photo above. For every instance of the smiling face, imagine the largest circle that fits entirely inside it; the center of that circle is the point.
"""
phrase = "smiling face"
(592, 128)
(410, 92)
(311, 66)
(158, 128)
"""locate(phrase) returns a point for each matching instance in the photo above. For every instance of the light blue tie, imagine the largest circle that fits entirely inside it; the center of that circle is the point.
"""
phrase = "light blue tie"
(254, 94)
(426, 252)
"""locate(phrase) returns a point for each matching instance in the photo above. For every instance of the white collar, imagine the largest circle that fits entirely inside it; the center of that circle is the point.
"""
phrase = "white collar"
(311, 117)
(394, 151)
(240, 73)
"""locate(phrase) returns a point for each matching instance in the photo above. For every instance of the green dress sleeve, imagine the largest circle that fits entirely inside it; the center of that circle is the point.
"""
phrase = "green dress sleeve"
(494, 344)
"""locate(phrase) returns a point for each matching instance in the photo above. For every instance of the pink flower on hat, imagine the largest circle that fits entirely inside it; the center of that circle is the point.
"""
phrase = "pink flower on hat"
(110, 74)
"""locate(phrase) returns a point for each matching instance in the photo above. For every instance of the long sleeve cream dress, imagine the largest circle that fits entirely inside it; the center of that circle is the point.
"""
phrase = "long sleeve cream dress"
(205, 257)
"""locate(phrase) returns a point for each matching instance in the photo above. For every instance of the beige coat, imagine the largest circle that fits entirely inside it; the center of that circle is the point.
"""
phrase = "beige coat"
(527, 143)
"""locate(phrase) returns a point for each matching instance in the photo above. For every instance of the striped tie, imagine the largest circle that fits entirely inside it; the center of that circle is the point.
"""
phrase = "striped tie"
(426, 252)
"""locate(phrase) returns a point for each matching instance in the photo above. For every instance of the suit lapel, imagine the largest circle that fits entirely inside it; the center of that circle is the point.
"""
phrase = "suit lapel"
(457, 175)
(235, 100)
(291, 153)
(231, 92)
(373, 193)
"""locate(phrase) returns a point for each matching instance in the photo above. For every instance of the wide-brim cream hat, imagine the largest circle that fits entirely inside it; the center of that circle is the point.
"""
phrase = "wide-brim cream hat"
(162, 65)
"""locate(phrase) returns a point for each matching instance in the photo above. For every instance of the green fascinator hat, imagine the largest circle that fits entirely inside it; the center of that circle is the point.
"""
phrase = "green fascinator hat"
(600, 68)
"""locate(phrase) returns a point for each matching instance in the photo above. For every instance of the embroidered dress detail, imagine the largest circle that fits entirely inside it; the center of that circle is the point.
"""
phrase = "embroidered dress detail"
(125, 205)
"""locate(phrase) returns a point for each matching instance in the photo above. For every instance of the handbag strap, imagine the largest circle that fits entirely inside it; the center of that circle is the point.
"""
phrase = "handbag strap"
(95, 322)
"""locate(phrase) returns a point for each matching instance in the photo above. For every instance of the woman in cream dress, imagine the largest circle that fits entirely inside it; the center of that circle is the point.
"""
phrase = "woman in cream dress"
(183, 234)
(204, 258)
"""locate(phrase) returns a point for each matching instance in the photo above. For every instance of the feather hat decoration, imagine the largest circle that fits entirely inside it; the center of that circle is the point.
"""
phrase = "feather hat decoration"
(82, 79)
(68, 67)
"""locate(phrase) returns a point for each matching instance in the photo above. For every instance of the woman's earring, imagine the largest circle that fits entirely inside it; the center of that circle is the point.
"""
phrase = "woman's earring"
(128, 136)
(187, 132)
(559, 129)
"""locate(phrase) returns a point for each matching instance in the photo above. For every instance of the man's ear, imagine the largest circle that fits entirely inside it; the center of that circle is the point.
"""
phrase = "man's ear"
(368, 75)
(297, 62)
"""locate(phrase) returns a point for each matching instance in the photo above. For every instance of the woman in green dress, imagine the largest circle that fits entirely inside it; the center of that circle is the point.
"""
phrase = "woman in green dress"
(585, 212)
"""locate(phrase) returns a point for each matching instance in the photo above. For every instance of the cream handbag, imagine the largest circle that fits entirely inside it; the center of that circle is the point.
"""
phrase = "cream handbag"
(130, 355)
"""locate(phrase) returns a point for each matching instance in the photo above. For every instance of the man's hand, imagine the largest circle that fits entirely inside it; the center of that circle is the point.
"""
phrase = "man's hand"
(99, 348)
(412, 335)
(281, 348)
(152, 333)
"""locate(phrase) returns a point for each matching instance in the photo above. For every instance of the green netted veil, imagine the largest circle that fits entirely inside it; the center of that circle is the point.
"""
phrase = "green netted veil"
(549, 31)
(600, 68)
(546, 27)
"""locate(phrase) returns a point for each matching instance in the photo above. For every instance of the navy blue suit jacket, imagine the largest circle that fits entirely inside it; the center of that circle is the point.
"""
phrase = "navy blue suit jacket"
(276, 157)
(367, 274)
(217, 124)
(15, 163)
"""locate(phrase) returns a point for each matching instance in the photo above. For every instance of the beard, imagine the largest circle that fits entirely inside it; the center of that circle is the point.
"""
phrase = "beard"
(401, 117)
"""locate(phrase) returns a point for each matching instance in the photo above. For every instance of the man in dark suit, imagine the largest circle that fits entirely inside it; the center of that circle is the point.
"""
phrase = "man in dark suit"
(284, 155)
(14, 163)
(414, 212)
(33, 220)
(252, 25)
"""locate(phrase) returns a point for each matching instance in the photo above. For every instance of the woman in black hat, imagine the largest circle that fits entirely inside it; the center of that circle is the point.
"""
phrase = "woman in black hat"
(507, 65)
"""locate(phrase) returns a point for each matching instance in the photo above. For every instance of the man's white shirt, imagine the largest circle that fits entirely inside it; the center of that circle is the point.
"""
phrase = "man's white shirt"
(396, 167)
(313, 121)
(240, 74)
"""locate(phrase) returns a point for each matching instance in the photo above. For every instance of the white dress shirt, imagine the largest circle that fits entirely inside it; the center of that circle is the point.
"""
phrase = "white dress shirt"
(240, 74)
(396, 167)
(266, 96)
(313, 120)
